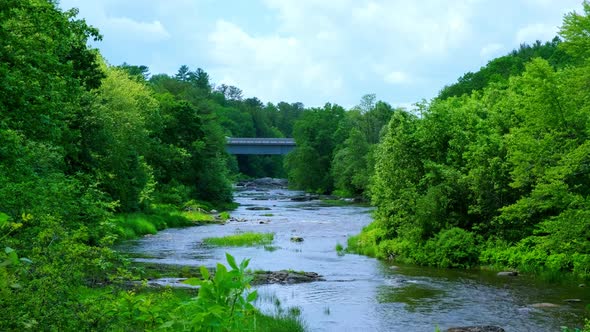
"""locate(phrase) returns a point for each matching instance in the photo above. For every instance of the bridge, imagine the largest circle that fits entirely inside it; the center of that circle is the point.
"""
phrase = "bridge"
(242, 145)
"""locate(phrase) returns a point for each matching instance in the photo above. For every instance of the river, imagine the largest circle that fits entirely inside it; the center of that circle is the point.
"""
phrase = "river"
(362, 293)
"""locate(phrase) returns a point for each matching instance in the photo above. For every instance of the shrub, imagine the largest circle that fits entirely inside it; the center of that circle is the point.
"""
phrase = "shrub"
(454, 248)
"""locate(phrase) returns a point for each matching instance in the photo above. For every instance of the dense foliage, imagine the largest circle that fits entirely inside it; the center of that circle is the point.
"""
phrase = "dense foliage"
(499, 70)
(90, 153)
(495, 170)
(335, 147)
(499, 176)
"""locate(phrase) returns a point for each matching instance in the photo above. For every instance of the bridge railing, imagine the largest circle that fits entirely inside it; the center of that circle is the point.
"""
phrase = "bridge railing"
(261, 141)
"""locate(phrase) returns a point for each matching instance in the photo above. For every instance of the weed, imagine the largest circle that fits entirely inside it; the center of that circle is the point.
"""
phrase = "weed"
(239, 240)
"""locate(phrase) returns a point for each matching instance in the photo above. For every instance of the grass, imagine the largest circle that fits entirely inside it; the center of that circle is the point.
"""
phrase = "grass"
(240, 240)
(335, 202)
(279, 322)
(271, 248)
(142, 308)
(158, 217)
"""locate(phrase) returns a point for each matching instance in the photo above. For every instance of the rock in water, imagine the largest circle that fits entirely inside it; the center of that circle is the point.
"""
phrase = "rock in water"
(572, 300)
(544, 305)
(297, 239)
(487, 328)
(258, 208)
(284, 277)
(507, 274)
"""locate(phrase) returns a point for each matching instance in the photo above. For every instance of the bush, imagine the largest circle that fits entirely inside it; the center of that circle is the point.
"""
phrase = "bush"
(455, 248)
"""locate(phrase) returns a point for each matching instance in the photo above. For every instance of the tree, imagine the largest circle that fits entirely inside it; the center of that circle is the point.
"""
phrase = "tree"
(575, 30)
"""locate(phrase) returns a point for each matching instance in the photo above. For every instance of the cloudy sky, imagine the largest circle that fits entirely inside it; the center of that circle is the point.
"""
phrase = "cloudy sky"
(318, 51)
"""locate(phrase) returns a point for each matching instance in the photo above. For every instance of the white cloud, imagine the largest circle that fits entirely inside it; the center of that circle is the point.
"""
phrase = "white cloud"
(271, 66)
(534, 32)
(122, 28)
(428, 27)
(491, 50)
(317, 51)
(396, 77)
(127, 28)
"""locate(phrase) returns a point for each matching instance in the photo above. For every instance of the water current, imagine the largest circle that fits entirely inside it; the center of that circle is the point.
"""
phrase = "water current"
(361, 293)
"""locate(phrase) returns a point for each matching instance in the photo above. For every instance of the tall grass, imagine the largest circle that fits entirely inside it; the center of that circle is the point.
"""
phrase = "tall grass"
(158, 217)
(240, 240)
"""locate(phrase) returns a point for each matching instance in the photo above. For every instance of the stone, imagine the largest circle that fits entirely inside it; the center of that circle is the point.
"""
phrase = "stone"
(572, 300)
(507, 274)
(296, 239)
(545, 305)
(284, 277)
(258, 208)
(485, 328)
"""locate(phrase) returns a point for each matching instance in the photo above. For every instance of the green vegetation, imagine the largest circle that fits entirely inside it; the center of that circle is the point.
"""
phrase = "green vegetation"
(495, 171)
(91, 154)
(497, 176)
(223, 303)
(239, 240)
(158, 217)
(335, 147)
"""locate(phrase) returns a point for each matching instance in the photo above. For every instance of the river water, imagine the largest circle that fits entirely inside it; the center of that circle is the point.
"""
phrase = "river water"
(362, 293)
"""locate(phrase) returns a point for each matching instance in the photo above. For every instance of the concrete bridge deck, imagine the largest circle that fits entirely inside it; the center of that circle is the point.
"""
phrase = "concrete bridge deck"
(259, 146)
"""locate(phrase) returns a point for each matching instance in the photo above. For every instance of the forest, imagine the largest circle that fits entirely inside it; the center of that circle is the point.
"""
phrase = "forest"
(493, 172)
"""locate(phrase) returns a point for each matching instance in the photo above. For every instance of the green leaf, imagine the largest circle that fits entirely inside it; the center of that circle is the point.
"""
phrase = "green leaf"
(3, 218)
(205, 272)
(192, 281)
(244, 264)
(231, 261)
(26, 260)
(252, 296)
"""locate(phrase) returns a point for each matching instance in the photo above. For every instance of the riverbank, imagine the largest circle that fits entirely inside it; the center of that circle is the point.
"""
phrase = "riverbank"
(457, 248)
(162, 216)
(358, 293)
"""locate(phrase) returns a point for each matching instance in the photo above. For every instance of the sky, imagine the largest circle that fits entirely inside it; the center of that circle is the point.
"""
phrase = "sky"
(318, 51)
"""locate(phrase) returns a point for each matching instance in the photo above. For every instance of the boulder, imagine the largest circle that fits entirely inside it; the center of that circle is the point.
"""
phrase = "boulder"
(507, 274)
(258, 208)
(545, 305)
(296, 239)
(572, 300)
(485, 328)
(284, 277)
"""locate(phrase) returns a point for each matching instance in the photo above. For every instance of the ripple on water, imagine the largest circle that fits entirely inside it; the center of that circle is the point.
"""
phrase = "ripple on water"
(361, 293)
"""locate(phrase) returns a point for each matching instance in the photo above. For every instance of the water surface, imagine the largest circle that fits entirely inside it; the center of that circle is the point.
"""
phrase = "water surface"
(361, 293)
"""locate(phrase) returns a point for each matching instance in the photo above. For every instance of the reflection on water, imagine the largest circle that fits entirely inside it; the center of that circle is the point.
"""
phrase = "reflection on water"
(361, 293)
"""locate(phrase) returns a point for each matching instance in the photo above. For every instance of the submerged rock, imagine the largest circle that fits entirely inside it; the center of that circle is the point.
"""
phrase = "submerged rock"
(258, 208)
(507, 274)
(305, 198)
(487, 328)
(572, 300)
(545, 305)
(263, 183)
(285, 277)
(296, 239)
